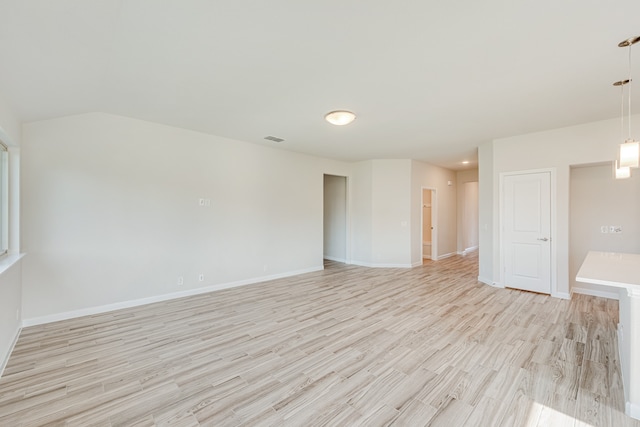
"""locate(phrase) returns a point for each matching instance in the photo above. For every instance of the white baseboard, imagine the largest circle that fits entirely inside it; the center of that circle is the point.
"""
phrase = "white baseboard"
(416, 264)
(380, 265)
(468, 250)
(632, 410)
(485, 280)
(490, 282)
(450, 254)
(595, 293)
(158, 298)
(332, 258)
(5, 359)
(561, 295)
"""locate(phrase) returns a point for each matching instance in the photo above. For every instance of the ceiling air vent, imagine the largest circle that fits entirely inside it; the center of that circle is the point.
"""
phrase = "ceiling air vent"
(273, 138)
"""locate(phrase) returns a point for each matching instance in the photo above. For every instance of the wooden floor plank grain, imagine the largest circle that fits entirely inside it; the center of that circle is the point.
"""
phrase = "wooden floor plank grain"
(346, 346)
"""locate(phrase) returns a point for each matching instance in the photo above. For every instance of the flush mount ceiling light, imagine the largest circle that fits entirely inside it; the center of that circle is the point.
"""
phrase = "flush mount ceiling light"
(340, 117)
(629, 151)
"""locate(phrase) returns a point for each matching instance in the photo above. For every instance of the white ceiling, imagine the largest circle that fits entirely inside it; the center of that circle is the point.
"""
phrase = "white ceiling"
(429, 80)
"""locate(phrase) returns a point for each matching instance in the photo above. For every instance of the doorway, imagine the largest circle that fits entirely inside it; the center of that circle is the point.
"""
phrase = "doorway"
(429, 221)
(470, 217)
(526, 201)
(335, 218)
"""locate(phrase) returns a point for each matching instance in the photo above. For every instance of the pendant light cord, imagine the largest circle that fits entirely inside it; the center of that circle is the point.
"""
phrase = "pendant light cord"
(622, 112)
(629, 93)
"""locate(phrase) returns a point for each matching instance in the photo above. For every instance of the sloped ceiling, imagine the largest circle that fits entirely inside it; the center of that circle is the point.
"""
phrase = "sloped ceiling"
(428, 80)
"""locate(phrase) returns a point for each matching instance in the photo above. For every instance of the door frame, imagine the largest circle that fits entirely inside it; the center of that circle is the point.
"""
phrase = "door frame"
(434, 222)
(347, 213)
(554, 232)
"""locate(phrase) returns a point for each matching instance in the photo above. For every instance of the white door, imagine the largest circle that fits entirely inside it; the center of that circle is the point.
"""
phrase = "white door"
(527, 231)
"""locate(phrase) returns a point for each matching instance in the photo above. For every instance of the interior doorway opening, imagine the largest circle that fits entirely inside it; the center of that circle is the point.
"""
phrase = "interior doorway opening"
(470, 231)
(429, 222)
(335, 230)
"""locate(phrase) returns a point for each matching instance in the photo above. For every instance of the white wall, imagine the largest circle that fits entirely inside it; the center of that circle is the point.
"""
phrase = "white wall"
(467, 199)
(111, 214)
(380, 219)
(469, 209)
(596, 200)
(10, 306)
(487, 218)
(361, 222)
(391, 201)
(9, 124)
(335, 218)
(555, 149)
(10, 277)
(424, 175)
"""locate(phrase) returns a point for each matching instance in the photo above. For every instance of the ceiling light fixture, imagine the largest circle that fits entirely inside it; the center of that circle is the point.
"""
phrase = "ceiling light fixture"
(621, 172)
(466, 162)
(340, 117)
(629, 151)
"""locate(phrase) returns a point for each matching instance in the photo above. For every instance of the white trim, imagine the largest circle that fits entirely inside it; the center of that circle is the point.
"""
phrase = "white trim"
(485, 281)
(632, 410)
(336, 259)
(450, 254)
(595, 293)
(416, 264)
(623, 363)
(158, 298)
(4, 137)
(562, 295)
(468, 250)
(374, 265)
(5, 360)
(8, 261)
(490, 282)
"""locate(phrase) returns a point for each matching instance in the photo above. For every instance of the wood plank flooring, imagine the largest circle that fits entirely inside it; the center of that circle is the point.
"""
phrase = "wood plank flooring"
(345, 346)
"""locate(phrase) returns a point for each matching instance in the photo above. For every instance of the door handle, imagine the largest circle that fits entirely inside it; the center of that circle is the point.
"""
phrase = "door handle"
(544, 239)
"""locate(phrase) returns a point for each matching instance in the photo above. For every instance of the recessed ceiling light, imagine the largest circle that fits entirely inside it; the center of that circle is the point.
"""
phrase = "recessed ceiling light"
(340, 117)
(466, 162)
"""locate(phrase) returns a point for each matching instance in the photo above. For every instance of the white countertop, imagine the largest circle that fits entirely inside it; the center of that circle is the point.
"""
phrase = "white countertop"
(611, 269)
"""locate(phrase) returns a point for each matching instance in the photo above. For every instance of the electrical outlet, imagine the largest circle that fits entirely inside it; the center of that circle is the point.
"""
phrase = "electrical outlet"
(180, 280)
(207, 202)
(201, 202)
(604, 229)
(201, 277)
(615, 229)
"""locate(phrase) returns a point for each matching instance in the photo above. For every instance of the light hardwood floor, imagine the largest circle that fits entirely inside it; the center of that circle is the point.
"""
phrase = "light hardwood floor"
(345, 346)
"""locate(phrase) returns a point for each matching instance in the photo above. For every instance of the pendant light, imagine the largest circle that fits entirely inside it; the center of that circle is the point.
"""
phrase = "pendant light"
(629, 156)
(621, 172)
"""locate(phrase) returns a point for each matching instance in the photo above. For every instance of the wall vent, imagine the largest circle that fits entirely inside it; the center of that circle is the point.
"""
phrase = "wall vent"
(273, 138)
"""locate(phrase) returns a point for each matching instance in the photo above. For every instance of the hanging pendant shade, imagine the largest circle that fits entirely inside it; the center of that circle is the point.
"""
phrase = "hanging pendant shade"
(629, 154)
(621, 172)
(629, 151)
